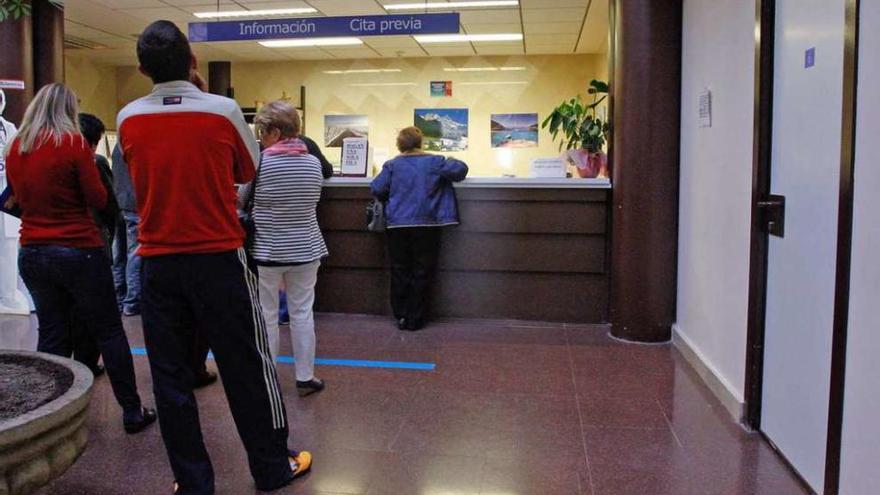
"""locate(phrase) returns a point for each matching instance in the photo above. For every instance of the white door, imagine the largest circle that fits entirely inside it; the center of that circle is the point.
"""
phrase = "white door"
(808, 95)
(860, 447)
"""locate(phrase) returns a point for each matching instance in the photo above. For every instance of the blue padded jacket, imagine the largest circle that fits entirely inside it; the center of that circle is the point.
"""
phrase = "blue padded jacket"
(418, 190)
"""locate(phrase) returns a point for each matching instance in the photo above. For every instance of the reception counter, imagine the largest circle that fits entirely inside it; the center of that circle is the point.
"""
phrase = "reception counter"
(526, 249)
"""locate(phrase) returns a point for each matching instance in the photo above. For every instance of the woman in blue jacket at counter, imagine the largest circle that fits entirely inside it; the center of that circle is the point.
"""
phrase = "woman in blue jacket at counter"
(417, 189)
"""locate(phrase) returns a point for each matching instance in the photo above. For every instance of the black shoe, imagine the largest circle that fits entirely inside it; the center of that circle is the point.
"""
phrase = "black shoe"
(98, 370)
(204, 379)
(310, 387)
(401, 324)
(148, 417)
(414, 325)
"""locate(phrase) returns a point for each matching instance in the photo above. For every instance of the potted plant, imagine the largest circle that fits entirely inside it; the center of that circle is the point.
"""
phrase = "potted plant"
(583, 133)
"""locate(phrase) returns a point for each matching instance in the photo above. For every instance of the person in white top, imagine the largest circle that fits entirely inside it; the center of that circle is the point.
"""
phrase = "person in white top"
(287, 245)
(13, 300)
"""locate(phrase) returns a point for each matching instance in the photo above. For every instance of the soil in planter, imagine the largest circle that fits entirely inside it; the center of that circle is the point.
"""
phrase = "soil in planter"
(27, 383)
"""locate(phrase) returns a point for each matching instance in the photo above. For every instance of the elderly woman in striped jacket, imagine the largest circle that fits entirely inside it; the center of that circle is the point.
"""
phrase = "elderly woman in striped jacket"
(288, 245)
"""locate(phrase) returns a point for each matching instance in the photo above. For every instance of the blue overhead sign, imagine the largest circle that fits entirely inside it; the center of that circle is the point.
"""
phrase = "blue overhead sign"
(322, 27)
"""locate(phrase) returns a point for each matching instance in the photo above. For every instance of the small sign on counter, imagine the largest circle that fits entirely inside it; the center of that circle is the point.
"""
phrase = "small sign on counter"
(354, 157)
(548, 167)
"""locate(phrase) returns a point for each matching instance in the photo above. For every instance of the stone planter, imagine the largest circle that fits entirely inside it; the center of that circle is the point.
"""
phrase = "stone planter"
(38, 445)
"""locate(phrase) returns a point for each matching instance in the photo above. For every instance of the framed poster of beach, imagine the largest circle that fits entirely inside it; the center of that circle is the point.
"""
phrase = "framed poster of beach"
(514, 130)
(339, 127)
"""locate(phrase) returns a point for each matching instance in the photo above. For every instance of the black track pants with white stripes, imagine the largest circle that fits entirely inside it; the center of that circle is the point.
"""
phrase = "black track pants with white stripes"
(217, 294)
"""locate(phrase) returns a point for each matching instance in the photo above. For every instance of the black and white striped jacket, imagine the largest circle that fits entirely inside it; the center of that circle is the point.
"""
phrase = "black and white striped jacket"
(284, 211)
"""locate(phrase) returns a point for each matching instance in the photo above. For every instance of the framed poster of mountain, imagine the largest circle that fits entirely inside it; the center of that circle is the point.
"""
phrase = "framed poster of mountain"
(339, 127)
(514, 130)
(445, 129)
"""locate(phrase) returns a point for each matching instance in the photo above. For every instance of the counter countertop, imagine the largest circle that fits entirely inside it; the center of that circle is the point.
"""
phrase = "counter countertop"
(495, 182)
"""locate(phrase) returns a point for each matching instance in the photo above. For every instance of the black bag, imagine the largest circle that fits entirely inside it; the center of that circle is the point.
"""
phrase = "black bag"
(246, 215)
(376, 216)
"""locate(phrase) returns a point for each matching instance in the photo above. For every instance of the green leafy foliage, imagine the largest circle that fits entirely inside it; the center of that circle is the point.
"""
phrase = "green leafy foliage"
(577, 121)
(16, 9)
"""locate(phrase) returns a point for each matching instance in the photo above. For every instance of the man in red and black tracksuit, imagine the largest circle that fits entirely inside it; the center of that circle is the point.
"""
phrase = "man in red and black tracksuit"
(186, 150)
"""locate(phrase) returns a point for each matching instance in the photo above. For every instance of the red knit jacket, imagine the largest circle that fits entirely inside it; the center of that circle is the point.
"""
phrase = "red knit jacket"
(55, 186)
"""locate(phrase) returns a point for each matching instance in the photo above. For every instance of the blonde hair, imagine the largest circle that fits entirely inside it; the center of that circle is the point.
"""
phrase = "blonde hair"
(51, 115)
(409, 138)
(279, 115)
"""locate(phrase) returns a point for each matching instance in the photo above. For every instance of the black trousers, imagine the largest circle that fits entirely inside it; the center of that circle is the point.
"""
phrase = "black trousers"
(75, 300)
(216, 295)
(414, 252)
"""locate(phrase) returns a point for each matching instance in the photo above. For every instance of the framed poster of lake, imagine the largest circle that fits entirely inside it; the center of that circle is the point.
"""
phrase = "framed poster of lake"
(514, 130)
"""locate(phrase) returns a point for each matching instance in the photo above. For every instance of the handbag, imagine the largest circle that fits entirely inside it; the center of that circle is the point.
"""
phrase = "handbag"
(246, 215)
(376, 216)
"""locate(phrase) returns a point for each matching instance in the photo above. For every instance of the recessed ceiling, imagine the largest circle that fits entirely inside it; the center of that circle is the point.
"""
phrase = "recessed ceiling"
(106, 30)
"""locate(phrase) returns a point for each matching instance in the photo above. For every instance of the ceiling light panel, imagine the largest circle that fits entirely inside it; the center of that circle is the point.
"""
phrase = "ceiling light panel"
(464, 4)
(227, 14)
(308, 42)
(482, 69)
(361, 71)
(382, 85)
(467, 38)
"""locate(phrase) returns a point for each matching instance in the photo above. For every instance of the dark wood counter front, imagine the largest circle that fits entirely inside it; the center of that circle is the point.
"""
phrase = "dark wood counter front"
(519, 253)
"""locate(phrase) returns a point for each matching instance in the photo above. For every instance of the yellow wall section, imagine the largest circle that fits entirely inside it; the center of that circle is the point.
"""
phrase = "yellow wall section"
(94, 85)
(546, 81)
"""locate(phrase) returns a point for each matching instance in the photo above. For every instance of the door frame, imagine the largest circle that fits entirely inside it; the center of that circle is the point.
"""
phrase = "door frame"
(844, 246)
(765, 32)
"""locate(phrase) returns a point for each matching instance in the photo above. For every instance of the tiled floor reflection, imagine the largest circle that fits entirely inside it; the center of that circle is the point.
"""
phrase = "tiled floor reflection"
(511, 409)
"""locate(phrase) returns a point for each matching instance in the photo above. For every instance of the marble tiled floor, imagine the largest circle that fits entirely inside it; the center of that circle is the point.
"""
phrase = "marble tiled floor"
(512, 408)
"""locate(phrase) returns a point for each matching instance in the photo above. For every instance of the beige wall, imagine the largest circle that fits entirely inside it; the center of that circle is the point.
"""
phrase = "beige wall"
(545, 82)
(130, 85)
(94, 85)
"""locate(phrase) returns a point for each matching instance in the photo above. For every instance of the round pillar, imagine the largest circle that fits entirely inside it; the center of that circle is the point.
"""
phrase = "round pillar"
(220, 78)
(48, 40)
(646, 91)
(17, 63)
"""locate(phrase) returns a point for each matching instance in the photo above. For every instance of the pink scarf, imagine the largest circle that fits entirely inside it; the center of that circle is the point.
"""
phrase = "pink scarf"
(287, 147)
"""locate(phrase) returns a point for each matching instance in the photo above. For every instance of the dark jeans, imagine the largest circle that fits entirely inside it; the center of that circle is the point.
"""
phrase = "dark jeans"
(120, 261)
(73, 286)
(85, 348)
(414, 252)
(132, 301)
(283, 313)
(217, 295)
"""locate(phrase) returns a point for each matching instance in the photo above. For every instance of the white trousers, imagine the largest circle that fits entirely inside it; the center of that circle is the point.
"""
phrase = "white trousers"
(299, 283)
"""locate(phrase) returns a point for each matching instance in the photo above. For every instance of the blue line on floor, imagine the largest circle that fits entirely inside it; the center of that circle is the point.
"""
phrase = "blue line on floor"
(356, 363)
